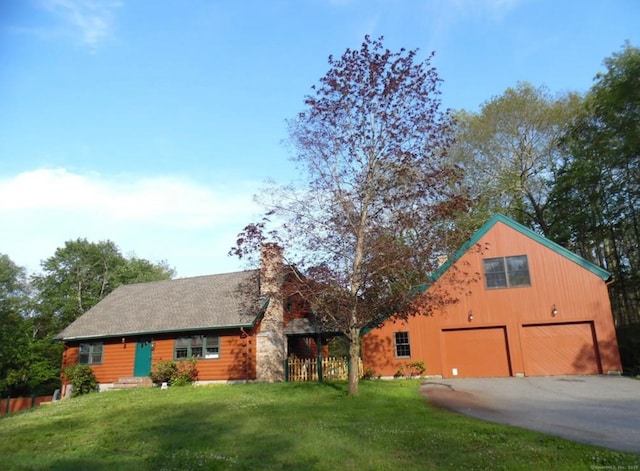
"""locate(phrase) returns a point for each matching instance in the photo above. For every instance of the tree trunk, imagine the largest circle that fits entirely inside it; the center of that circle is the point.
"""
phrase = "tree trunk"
(354, 363)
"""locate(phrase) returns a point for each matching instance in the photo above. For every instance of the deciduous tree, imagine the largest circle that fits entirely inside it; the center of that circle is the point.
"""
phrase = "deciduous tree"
(510, 152)
(372, 143)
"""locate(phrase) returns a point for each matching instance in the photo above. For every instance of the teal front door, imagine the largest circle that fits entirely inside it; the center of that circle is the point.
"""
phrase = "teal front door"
(142, 362)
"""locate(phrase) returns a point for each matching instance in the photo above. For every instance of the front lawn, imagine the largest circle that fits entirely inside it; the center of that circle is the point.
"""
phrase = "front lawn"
(287, 426)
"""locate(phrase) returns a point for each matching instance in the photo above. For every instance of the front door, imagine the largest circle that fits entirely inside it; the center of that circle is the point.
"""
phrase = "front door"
(142, 363)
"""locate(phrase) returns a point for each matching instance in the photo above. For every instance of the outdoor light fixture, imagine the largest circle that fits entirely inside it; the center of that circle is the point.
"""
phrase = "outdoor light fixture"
(554, 311)
(124, 343)
(470, 316)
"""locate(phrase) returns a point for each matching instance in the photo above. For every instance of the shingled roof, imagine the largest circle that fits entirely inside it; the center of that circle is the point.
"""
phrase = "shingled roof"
(203, 302)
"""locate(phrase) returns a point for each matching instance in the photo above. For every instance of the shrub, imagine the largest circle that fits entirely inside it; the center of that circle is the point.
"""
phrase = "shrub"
(186, 373)
(82, 379)
(181, 373)
(163, 371)
(416, 368)
(368, 374)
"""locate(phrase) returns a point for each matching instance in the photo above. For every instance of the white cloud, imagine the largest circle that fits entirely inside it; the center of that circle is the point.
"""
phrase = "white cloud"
(189, 225)
(90, 21)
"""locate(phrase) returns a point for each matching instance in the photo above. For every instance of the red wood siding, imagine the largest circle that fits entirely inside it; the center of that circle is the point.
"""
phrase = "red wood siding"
(117, 358)
(237, 359)
(579, 296)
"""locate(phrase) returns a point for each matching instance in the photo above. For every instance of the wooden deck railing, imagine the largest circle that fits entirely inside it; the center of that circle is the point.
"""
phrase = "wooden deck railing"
(307, 369)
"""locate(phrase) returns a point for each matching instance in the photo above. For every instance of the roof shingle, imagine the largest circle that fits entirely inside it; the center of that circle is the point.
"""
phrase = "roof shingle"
(214, 301)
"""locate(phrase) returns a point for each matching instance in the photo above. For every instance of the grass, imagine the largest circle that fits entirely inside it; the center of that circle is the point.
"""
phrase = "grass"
(287, 426)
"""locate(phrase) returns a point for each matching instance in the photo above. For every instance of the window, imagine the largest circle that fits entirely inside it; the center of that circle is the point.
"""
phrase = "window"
(506, 272)
(197, 346)
(90, 353)
(403, 349)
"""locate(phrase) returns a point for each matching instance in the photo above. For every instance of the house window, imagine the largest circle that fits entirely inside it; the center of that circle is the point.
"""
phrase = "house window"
(507, 272)
(403, 349)
(90, 353)
(197, 346)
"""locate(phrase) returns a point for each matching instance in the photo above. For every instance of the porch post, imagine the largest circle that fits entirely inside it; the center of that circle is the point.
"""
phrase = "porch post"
(319, 348)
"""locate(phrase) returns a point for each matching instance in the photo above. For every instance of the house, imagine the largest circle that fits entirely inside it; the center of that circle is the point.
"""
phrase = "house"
(236, 325)
(526, 307)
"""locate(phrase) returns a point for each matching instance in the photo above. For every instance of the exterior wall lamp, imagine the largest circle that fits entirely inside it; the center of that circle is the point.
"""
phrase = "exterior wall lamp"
(470, 316)
(554, 311)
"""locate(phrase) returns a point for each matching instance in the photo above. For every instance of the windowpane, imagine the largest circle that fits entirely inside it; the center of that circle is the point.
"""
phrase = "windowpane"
(182, 353)
(90, 353)
(507, 272)
(495, 276)
(403, 348)
(212, 347)
(197, 346)
(518, 269)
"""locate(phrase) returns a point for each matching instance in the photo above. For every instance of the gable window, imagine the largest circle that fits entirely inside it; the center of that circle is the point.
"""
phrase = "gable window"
(403, 349)
(90, 353)
(506, 272)
(197, 346)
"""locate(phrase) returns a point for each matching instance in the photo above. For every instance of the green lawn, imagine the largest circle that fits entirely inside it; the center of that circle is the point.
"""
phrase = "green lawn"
(291, 426)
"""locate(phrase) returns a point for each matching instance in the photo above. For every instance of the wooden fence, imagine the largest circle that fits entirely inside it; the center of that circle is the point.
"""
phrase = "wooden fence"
(307, 369)
(15, 404)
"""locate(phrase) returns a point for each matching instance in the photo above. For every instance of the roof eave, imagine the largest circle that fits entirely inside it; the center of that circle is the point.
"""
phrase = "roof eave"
(156, 332)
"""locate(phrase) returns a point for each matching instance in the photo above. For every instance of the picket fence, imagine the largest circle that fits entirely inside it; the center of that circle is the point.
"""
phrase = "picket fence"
(306, 369)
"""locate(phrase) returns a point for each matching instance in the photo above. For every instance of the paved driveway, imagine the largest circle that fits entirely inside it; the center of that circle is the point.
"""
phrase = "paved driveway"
(599, 410)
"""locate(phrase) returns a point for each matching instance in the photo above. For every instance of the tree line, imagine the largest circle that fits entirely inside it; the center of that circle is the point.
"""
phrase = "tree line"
(34, 309)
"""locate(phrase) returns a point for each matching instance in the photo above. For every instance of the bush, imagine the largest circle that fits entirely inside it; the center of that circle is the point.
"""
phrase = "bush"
(416, 368)
(163, 371)
(181, 373)
(186, 374)
(82, 379)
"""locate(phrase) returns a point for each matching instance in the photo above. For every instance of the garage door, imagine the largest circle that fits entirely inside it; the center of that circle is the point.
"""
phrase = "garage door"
(559, 349)
(473, 353)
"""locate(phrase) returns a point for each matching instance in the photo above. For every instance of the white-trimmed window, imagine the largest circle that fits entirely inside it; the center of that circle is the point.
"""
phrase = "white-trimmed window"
(506, 272)
(197, 346)
(90, 353)
(402, 346)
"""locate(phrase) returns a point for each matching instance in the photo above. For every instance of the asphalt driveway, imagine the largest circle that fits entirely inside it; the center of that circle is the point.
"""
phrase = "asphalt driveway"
(598, 410)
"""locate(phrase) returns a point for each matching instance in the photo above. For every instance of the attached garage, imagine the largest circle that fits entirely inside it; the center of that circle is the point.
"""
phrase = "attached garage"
(474, 353)
(560, 349)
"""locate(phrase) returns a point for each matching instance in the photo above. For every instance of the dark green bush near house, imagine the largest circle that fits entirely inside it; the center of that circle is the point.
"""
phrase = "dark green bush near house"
(629, 344)
(163, 371)
(180, 373)
(82, 379)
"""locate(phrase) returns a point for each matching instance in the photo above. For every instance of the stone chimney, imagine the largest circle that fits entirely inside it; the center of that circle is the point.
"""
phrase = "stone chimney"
(270, 340)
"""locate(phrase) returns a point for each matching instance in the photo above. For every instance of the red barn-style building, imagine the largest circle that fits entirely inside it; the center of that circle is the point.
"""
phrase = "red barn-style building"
(529, 307)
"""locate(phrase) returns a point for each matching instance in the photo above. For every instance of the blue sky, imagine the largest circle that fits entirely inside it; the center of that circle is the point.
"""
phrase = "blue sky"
(153, 123)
